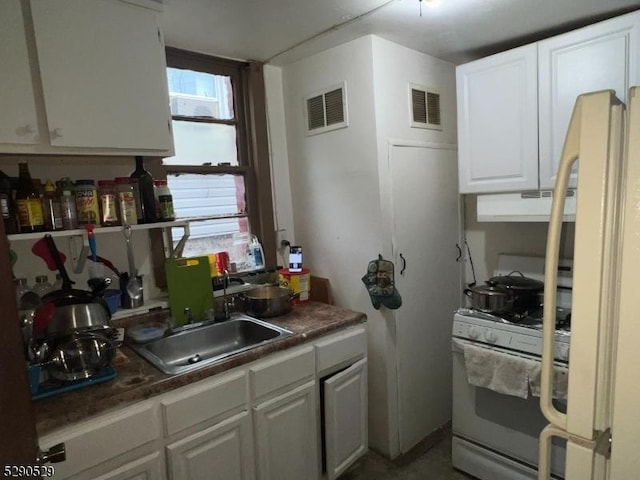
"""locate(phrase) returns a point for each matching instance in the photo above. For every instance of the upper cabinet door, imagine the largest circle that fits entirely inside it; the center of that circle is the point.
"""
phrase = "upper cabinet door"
(498, 122)
(103, 74)
(599, 57)
(20, 125)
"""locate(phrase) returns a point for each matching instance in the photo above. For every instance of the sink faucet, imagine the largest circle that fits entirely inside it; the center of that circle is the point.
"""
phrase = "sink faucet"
(189, 315)
(225, 301)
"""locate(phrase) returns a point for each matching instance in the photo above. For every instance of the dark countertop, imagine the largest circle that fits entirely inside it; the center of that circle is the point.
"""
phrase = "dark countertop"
(138, 380)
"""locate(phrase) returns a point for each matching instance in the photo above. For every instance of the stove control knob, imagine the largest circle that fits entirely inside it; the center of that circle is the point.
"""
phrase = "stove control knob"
(490, 336)
(563, 352)
(473, 332)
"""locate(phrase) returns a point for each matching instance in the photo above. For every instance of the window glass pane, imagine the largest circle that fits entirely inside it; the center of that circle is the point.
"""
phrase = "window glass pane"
(207, 195)
(199, 94)
(203, 143)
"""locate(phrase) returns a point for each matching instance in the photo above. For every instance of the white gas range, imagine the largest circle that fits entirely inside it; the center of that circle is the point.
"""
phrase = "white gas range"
(495, 430)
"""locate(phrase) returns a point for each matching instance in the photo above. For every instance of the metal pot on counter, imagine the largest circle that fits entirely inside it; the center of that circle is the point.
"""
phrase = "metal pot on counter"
(268, 301)
(513, 294)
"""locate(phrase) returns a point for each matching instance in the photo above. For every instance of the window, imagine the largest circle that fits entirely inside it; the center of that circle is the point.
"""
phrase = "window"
(219, 155)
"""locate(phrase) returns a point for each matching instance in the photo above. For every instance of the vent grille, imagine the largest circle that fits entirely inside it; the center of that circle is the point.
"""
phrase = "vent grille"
(326, 111)
(315, 112)
(425, 108)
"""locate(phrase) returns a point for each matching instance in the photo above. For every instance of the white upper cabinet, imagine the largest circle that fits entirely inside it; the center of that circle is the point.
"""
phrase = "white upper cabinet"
(599, 57)
(99, 79)
(514, 107)
(18, 119)
(498, 122)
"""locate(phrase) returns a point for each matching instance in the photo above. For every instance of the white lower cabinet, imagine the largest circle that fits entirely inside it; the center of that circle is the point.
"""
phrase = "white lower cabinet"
(286, 435)
(149, 467)
(345, 418)
(259, 421)
(221, 452)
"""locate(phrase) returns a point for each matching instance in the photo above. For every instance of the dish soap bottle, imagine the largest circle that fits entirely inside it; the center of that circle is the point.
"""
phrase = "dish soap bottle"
(257, 253)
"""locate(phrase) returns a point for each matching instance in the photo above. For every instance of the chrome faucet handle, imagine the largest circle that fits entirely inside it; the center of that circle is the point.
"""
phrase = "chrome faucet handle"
(188, 314)
(225, 285)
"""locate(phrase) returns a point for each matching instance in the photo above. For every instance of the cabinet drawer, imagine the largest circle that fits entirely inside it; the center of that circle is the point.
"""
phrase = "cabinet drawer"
(341, 349)
(286, 370)
(100, 439)
(194, 405)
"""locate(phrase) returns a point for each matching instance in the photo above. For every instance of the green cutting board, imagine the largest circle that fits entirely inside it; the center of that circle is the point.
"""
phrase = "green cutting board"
(189, 286)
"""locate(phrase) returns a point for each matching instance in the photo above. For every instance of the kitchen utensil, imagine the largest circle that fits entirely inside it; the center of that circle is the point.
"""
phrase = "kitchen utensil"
(189, 286)
(81, 356)
(42, 249)
(105, 262)
(126, 301)
(133, 284)
(489, 298)
(79, 317)
(268, 301)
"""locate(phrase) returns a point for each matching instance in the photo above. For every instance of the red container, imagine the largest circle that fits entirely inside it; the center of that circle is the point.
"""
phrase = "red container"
(222, 262)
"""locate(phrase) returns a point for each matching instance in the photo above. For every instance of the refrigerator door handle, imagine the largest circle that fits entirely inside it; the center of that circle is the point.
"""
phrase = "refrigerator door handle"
(570, 154)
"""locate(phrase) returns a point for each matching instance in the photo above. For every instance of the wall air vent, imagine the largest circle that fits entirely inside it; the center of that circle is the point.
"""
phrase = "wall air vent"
(425, 107)
(326, 110)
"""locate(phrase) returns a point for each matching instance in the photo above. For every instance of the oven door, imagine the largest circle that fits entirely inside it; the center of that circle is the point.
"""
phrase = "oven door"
(496, 435)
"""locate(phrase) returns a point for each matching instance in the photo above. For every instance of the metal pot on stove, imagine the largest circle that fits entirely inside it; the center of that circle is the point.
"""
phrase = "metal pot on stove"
(513, 294)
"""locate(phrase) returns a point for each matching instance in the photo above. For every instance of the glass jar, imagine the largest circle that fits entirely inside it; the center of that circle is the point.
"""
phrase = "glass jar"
(42, 286)
(108, 203)
(87, 202)
(126, 201)
(165, 200)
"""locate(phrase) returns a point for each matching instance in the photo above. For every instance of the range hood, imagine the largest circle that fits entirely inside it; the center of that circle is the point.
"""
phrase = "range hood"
(531, 206)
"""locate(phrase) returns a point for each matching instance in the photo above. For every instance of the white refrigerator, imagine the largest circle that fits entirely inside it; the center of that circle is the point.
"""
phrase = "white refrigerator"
(602, 421)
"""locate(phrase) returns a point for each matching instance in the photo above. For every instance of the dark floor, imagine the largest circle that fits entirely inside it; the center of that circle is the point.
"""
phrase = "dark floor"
(427, 461)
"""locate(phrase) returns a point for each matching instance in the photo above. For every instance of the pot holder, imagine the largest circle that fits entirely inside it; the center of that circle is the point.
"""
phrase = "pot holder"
(380, 283)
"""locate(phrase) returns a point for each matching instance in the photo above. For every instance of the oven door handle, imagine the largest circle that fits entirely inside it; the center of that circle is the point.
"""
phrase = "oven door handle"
(570, 153)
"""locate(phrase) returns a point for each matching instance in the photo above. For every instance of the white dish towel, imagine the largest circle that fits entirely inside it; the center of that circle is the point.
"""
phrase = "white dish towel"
(498, 371)
(560, 382)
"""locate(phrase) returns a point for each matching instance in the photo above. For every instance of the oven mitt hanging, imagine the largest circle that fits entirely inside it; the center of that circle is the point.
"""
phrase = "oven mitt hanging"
(380, 284)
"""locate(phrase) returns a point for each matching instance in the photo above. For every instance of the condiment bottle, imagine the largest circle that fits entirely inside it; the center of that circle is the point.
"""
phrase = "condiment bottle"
(51, 207)
(7, 206)
(87, 202)
(147, 197)
(108, 203)
(165, 199)
(126, 201)
(28, 202)
(68, 205)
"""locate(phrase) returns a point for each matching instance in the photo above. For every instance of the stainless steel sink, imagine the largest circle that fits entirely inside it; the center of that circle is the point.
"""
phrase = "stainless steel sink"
(202, 346)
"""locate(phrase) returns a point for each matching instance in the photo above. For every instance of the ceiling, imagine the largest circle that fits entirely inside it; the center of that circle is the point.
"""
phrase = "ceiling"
(284, 31)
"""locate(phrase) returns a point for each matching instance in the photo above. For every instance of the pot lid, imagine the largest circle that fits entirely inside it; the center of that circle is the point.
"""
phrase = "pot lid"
(490, 288)
(515, 280)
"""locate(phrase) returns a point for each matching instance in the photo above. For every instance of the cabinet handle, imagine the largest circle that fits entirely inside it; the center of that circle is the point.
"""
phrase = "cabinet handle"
(56, 133)
(404, 264)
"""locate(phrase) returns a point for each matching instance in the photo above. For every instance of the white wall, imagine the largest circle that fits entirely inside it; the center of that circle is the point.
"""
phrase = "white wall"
(335, 196)
(339, 185)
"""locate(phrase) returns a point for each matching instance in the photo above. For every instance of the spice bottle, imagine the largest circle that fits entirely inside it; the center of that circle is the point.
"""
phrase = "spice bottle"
(28, 202)
(51, 207)
(108, 203)
(145, 187)
(87, 202)
(165, 200)
(68, 205)
(42, 286)
(126, 201)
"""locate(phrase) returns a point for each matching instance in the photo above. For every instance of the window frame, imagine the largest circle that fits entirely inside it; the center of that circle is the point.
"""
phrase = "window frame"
(247, 80)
